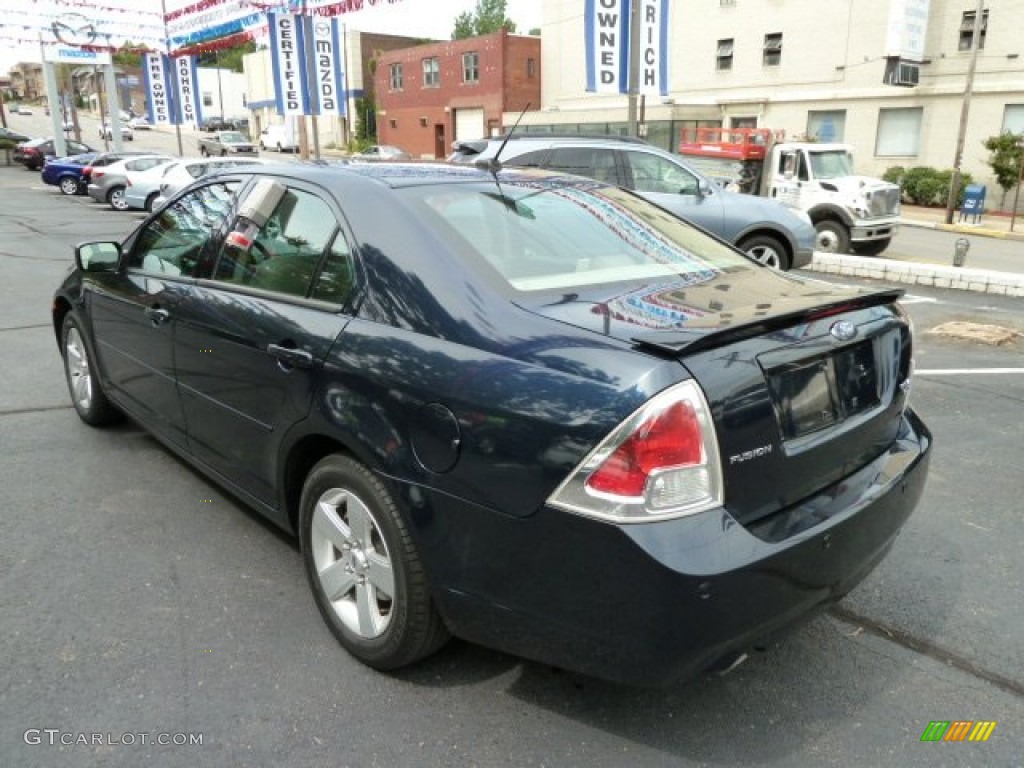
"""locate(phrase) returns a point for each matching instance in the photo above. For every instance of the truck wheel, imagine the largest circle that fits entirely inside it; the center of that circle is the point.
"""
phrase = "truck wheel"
(767, 250)
(203, 152)
(831, 237)
(872, 247)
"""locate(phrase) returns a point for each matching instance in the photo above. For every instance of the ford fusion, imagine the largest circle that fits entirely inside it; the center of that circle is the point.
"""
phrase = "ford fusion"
(530, 410)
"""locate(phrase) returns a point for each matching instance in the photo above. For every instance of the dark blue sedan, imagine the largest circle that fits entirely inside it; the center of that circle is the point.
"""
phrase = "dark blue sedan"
(531, 410)
(65, 173)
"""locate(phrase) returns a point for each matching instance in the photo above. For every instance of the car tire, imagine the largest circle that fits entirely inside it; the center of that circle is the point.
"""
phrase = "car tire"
(831, 237)
(279, 150)
(115, 198)
(363, 568)
(150, 201)
(203, 152)
(766, 250)
(69, 186)
(872, 247)
(87, 396)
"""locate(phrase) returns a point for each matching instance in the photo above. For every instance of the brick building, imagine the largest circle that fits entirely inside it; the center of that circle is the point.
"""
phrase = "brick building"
(433, 94)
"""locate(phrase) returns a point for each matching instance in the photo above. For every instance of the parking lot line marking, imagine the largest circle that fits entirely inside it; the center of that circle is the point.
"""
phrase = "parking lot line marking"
(964, 371)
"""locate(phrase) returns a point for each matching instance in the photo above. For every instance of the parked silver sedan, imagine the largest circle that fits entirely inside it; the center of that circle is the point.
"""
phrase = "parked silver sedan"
(108, 185)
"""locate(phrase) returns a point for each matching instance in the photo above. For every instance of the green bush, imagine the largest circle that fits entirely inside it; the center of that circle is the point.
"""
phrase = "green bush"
(923, 185)
(894, 174)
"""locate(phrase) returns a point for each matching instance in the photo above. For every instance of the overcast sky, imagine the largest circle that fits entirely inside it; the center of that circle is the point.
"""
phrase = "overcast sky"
(414, 18)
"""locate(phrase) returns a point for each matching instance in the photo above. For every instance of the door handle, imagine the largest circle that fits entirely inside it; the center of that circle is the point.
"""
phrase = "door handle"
(156, 315)
(289, 357)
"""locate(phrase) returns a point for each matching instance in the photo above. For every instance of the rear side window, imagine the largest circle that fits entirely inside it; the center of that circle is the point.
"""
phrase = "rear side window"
(593, 162)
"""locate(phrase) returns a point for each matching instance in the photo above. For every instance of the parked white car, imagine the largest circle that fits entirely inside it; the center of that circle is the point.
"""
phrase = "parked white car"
(106, 132)
(180, 175)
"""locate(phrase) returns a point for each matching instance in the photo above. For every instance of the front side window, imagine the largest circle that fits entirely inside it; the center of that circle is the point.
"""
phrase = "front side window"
(177, 241)
(653, 173)
(431, 73)
(288, 251)
(397, 81)
(773, 49)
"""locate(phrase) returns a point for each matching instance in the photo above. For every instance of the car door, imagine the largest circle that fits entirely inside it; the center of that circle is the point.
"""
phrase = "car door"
(675, 187)
(252, 337)
(133, 310)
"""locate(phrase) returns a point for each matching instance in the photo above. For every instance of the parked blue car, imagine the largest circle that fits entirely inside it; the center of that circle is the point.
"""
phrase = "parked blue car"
(66, 172)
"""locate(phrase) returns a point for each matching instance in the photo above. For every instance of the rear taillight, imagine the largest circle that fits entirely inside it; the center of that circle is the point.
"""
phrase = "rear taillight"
(661, 462)
(95, 174)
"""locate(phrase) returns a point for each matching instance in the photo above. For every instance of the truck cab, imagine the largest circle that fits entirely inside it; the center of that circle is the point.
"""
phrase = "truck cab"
(848, 211)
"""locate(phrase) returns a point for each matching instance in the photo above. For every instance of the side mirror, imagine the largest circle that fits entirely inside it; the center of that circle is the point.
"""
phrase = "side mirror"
(98, 257)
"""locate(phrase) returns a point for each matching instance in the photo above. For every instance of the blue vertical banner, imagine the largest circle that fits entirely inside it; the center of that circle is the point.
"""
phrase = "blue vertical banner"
(653, 58)
(327, 89)
(186, 90)
(606, 30)
(159, 101)
(288, 58)
(606, 41)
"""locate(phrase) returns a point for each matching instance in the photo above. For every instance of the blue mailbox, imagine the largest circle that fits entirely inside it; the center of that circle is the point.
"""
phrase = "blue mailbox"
(974, 202)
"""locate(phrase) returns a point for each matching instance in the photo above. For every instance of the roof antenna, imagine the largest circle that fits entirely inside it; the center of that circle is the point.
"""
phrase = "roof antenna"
(493, 164)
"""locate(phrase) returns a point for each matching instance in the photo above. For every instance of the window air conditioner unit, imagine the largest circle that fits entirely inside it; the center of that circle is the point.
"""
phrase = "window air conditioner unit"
(908, 74)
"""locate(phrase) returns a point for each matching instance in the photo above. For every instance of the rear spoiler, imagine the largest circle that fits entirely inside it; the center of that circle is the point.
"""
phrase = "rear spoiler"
(732, 328)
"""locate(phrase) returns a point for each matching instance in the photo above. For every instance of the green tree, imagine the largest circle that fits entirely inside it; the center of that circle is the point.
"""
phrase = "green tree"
(227, 58)
(127, 56)
(489, 16)
(1005, 157)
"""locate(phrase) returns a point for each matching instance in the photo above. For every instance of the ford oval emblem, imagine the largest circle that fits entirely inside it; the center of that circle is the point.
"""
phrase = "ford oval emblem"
(844, 330)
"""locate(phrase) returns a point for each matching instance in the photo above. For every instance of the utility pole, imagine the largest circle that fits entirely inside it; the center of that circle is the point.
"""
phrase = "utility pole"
(954, 183)
(634, 66)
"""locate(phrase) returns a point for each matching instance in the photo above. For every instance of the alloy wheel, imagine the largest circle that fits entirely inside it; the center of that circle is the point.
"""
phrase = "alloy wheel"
(352, 562)
(80, 381)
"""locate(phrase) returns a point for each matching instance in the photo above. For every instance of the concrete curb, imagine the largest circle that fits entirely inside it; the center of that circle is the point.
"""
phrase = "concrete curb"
(966, 229)
(933, 275)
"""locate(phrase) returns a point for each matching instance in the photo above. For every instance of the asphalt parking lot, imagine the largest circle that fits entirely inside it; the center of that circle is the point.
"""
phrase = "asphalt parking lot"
(140, 604)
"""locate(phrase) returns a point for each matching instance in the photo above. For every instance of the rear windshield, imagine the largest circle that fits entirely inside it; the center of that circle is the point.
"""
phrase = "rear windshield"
(553, 234)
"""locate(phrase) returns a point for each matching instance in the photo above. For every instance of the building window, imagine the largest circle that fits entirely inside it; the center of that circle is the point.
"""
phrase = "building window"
(726, 2)
(396, 77)
(393, 123)
(207, 99)
(826, 125)
(773, 49)
(723, 59)
(1013, 118)
(967, 30)
(899, 132)
(431, 73)
(531, 67)
(471, 67)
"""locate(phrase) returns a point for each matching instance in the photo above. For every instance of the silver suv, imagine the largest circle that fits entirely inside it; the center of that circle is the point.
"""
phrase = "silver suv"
(765, 229)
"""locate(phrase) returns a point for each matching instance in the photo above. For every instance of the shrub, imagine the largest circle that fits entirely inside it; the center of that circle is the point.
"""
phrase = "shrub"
(894, 174)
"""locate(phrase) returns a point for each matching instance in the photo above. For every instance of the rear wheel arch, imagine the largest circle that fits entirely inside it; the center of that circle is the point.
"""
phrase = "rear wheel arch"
(302, 456)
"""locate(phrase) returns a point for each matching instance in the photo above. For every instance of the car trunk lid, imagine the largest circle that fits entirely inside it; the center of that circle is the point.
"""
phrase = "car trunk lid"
(804, 388)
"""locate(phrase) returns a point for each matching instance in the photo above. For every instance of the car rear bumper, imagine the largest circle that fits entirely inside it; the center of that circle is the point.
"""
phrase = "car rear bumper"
(652, 603)
(96, 193)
